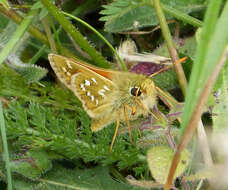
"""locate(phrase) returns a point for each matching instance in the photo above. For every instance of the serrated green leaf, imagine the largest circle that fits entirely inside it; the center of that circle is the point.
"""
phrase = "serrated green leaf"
(106, 18)
(31, 73)
(159, 159)
(111, 11)
(126, 13)
(127, 19)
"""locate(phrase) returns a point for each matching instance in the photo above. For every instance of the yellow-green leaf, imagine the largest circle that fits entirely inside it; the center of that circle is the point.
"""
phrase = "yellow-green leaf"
(160, 158)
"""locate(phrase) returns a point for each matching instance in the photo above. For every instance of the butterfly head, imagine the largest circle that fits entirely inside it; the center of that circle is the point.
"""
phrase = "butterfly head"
(134, 87)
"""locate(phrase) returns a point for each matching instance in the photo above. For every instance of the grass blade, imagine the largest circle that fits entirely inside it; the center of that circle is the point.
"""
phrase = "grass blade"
(4, 140)
(17, 35)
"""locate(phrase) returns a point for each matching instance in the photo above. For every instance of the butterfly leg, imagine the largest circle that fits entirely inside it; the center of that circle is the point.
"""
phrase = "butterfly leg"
(115, 134)
(127, 121)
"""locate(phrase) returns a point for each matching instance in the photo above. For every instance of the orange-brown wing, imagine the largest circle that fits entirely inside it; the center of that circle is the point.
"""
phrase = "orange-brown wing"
(94, 90)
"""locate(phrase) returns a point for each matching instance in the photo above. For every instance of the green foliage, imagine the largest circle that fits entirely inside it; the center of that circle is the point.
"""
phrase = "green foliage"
(203, 174)
(220, 109)
(46, 126)
(31, 73)
(4, 22)
(65, 133)
(157, 138)
(12, 84)
(60, 178)
(76, 35)
(207, 56)
(5, 3)
(17, 35)
(32, 165)
(131, 15)
(168, 80)
(159, 160)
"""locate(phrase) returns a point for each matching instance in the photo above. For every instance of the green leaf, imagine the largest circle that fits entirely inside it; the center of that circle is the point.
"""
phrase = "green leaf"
(31, 73)
(37, 5)
(94, 178)
(159, 159)
(202, 174)
(43, 13)
(15, 38)
(60, 178)
(32, 165)
(5, 4)
(4, 22)
(128, 15)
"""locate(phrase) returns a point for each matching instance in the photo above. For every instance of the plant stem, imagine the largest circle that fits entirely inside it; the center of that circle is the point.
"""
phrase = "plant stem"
(4, 140)
(76, 35)
(21, 29)
(48, 32)
(171, 46)
(124, 67)
(14, 16)
(38, 54)
(182, 16)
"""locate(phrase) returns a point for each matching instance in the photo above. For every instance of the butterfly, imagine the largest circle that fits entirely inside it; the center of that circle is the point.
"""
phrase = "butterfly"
(106, 95)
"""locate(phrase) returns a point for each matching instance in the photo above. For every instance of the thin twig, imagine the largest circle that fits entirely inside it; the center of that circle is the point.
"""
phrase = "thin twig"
(46, 26)
(171, 46)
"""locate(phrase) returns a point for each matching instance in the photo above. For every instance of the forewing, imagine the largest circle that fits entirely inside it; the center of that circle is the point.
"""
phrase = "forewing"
(94, 90)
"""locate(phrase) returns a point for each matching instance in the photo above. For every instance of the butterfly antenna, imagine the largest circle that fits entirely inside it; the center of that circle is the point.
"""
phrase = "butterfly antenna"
(116, 130)
(181, 60)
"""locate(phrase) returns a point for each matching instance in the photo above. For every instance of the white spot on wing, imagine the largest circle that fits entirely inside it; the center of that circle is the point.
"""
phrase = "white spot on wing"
(101, 92)
(106, 88)
(68, 64)
(64, 69)
(88, 93)
(94, 80)
(96, 102)
(87, 83)
(92, 98)
(83, 87)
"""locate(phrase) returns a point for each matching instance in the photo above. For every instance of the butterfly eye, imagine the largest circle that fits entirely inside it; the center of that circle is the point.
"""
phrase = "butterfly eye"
(135, 91)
